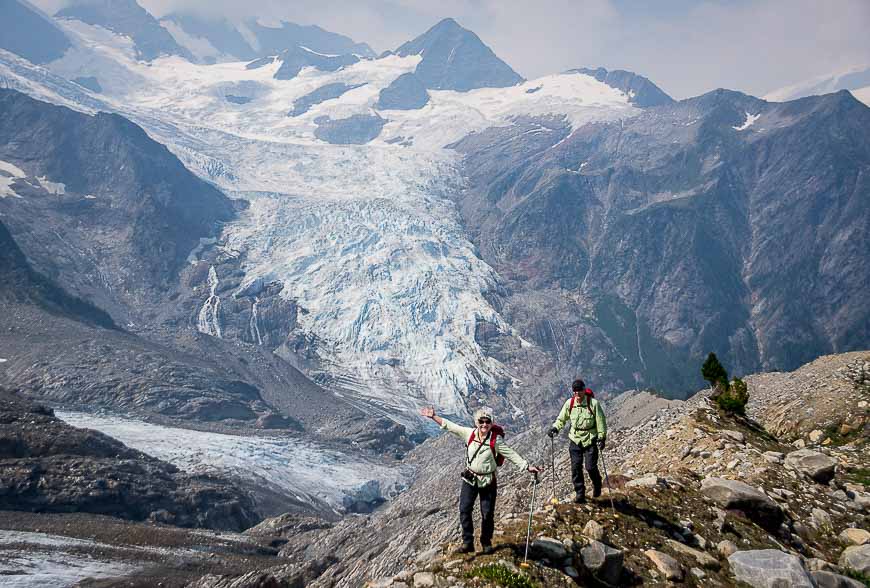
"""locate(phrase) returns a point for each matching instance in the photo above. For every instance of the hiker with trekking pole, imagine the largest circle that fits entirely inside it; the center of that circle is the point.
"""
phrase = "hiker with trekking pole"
(485, 451)
(587, 434)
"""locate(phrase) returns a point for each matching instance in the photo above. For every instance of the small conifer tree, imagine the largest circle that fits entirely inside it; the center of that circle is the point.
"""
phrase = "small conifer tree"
(713, 372)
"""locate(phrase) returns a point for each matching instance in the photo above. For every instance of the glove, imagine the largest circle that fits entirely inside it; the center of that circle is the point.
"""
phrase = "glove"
(601, 443)
(552, 432)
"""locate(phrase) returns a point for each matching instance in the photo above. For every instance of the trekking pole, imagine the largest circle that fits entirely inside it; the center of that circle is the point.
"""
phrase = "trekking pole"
(553, 470)
(607, 481)
(525, 563)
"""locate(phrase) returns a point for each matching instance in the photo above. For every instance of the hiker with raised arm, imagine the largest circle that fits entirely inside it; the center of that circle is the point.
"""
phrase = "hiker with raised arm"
(587, 433)
(484, 452)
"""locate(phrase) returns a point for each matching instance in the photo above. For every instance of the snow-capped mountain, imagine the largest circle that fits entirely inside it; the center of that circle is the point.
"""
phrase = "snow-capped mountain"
(427, 227)
(855, 79)
(127, 18)
(364, 237)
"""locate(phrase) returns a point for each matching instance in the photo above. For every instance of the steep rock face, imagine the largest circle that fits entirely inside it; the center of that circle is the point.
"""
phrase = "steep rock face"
(295, 58)
(33, 35)
(681, 229)
(23, 285)
(50, 466)
(455, 58)
(641, 92)
(126, 17)
(129, 211)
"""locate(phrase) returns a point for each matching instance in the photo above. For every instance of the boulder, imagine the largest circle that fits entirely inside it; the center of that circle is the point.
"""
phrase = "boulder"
(704, 559)
(856, 557)
(832, 580)
(547, 547)
(424, 580)
(769, 568)
(817, 466)
(855, 536)
(734, 495)
(821, 519)
(593, 531)
(647, 481)
(735, 436)
(773, 456)
(666, 564)
(603, 562)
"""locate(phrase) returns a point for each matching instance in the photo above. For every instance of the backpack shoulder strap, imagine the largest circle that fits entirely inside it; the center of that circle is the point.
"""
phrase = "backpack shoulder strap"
(570, 408)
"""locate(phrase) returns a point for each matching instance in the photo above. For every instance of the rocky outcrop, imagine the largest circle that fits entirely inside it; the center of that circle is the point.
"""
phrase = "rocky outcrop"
(354, 130)
(406, 92)
(50, 466)
(321, 94)
(295, 58)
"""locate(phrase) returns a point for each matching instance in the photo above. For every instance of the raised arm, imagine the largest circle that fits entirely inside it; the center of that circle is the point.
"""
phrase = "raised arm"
(429, 413)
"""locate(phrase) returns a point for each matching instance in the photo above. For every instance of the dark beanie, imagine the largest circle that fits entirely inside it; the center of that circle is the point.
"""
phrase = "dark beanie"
(578, 386)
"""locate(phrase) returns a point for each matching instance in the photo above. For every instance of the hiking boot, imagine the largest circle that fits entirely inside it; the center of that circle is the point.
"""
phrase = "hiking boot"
(580, 498)
(486, 549)
(466, 548)
(596, 492)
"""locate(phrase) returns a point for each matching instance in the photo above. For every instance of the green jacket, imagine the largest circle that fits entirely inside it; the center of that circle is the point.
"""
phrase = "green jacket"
(587, 422)
(483, 465)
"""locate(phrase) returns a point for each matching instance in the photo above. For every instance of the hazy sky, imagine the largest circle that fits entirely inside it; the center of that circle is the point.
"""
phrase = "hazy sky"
(686, 47)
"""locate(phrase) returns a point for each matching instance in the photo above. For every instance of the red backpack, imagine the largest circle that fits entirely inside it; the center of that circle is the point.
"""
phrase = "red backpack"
(494, 432)
(589, 394)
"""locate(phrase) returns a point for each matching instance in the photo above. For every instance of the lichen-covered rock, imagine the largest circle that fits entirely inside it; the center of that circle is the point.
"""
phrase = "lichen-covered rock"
(666, 564)
(769, 568)
(602, 561)
(856, 557)
(817, 466)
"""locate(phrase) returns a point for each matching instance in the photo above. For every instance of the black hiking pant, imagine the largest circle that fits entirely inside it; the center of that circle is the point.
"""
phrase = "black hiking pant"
(587, 456)
(467, 496)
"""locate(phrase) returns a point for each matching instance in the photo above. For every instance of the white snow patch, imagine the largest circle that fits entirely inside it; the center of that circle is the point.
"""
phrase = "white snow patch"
(3, 360)
(55, 188)
(750, 119)
(298, 467)
(8, 174)
(55, 567)
(200, 47)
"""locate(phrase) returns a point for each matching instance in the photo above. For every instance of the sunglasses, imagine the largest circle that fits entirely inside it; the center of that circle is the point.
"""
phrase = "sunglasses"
(484, 421)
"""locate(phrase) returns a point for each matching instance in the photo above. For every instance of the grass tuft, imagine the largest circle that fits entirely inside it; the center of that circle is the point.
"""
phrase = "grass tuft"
(502, 576)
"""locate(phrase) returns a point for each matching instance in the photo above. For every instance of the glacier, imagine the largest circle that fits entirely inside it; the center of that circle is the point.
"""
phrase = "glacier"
(365, 238)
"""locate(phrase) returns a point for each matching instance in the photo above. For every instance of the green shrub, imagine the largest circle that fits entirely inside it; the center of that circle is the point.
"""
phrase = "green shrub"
(856, 575)
(732, 398)
(501, 576)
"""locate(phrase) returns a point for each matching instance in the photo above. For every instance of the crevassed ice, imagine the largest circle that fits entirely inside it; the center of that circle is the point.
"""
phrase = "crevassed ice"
(375, 253)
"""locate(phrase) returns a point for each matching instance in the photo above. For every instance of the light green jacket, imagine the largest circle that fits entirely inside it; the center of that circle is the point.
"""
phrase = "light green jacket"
(587, 423)
(484, 465)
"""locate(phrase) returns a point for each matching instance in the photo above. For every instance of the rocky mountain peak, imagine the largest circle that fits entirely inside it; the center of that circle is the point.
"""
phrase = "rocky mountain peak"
(455, 58)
